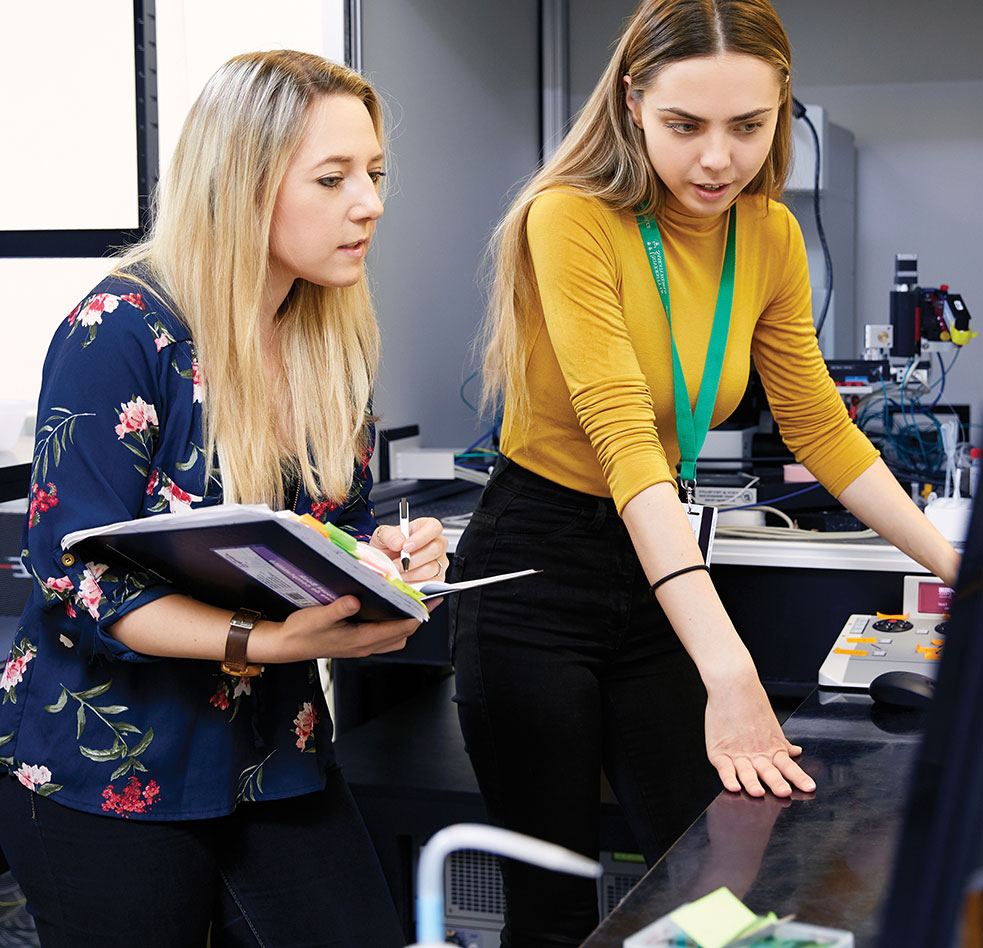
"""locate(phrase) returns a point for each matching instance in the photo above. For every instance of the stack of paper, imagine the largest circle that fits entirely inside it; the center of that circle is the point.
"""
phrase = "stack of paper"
(721, 920)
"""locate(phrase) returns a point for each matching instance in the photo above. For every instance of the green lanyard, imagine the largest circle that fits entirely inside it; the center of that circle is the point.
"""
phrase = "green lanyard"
(691, 429)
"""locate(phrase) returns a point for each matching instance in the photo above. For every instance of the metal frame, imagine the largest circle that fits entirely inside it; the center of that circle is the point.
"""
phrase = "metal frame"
(554, 18)
(353, 34)
(95, 243)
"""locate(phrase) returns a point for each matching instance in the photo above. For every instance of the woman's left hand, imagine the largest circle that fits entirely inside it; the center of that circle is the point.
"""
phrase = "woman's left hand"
(426, 546)
(746, 745)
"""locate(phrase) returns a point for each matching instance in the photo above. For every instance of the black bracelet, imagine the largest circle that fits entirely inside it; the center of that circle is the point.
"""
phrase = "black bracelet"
(678, 572)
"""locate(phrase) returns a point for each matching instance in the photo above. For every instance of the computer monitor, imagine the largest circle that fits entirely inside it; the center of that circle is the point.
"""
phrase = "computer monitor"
(941, 844)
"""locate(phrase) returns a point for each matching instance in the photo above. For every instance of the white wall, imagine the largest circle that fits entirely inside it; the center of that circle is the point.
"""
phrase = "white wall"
(462, 80)
(194, 37)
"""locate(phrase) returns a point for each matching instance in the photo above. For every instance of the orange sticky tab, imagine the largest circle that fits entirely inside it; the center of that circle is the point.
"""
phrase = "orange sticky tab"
(932, 656)
(885, 615)
(867, 639)
(310, 521)
(938, 642)
(849, 651)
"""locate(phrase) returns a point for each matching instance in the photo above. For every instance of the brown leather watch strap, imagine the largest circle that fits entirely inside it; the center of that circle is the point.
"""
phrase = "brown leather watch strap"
(240, 626)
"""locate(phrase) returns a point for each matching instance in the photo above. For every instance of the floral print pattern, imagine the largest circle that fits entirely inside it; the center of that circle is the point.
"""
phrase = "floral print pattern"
(21, 654)
(135, 798)
(138, 430)
(103, 728)
(41, 502)
(136, 416)
(90, 592)
(170, 497)
(223, 700)
(304, 729)
(36, 778)
(89, 314)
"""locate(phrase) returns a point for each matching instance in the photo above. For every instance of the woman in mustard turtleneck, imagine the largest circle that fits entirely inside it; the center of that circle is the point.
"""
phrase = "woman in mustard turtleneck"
(659, 203)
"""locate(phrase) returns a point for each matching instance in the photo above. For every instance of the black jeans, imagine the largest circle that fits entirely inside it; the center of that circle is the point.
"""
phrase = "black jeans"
(291, 873)
(561, 674)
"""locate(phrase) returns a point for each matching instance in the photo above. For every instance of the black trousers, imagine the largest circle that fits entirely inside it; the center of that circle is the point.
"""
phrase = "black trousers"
(561, 674)
(290, 873)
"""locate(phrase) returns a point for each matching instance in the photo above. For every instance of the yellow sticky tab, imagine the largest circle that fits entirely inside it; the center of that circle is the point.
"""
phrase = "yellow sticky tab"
(715, 920)
(404, 587)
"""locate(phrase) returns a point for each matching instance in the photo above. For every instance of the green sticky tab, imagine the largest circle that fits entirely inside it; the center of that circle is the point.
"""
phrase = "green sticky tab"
(715, 920)
(341, 538)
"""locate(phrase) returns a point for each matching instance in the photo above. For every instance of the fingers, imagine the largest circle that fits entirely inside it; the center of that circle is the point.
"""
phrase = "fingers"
(375, 638)
(758, 774)
(340, 609)
(388, 538)
(423, 530)
(727, 773)
(424, 570)
(748, 775)
(425, 546)
(794, 773)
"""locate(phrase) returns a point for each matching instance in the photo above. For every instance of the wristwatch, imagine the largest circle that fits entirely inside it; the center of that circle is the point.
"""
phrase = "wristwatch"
(240, 626)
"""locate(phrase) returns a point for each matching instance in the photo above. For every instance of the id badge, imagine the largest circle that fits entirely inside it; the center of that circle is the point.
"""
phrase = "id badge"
(703, 520)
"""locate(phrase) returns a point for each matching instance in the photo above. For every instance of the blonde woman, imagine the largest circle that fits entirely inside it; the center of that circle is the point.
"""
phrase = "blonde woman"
(230, 357)
(620, 655)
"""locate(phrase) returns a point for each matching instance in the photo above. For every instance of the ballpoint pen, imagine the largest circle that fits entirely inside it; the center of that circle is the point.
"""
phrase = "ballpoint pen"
(404, 528)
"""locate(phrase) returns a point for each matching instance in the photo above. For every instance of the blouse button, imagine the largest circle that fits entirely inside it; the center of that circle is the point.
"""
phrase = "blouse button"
(68, 559)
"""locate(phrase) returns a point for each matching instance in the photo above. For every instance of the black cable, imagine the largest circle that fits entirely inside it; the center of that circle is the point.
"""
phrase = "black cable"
(799, 111)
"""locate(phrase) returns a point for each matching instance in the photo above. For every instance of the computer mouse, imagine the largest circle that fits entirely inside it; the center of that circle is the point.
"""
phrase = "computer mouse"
(903, 689)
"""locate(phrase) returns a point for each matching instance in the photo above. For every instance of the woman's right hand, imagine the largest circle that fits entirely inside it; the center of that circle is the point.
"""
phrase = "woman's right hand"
(745, 743)
(327, 632)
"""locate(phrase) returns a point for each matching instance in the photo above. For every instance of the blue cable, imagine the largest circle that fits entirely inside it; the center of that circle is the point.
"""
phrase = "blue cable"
(771, 500)
(463, 396)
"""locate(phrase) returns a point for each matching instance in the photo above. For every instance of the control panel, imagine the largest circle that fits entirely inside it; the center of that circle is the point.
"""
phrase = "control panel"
(914, 640)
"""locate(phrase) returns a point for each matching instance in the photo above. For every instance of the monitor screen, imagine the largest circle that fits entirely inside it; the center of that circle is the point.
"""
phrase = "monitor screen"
(940, 850)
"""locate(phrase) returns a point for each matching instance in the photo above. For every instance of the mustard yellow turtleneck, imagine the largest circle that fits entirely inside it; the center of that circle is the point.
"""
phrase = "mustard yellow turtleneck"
(599, 365)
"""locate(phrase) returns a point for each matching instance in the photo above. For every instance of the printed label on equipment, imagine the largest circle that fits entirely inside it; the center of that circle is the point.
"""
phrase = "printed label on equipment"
(725, 495)
(277, 574)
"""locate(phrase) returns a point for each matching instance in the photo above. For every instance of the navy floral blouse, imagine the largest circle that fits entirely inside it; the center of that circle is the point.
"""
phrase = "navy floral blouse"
(84, 720)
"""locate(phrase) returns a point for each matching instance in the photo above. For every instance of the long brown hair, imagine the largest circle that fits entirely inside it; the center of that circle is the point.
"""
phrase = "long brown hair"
(208, 250)
(604, 155)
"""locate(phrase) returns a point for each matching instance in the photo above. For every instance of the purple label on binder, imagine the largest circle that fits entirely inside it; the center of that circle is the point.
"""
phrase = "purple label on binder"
(278, 575)
(306, 582)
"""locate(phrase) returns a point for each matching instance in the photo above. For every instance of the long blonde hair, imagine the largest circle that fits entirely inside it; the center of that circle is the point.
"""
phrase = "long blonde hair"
(604, 155)
(208, 251)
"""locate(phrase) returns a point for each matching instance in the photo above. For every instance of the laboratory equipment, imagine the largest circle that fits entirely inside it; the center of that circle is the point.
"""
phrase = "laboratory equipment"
(870, 645)
(494, 839)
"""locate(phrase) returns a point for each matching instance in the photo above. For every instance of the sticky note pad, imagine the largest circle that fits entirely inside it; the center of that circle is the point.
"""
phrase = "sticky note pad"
(714, 920)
